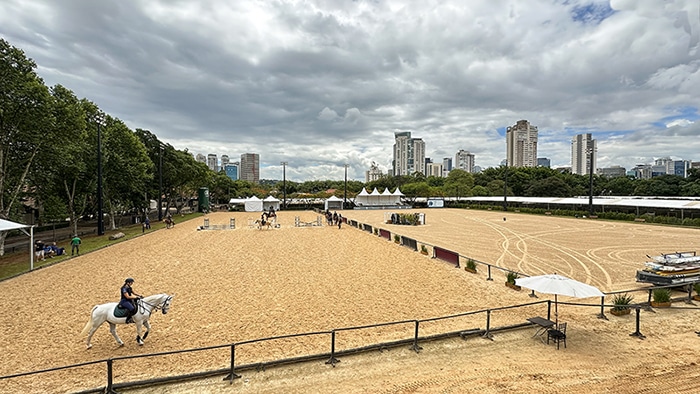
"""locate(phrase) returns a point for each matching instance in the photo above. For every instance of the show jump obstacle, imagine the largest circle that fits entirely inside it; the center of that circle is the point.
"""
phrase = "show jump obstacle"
(230, 226)
(317, 223)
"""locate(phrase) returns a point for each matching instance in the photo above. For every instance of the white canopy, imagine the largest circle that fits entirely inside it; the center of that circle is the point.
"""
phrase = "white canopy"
(6, 225)
(270, 201)
(378, 199)
(334, 202)
(253, 204)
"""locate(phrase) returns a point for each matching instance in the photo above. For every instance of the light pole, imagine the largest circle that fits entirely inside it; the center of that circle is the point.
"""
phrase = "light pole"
(284, 184)
(345, 198)
(590, 179)
(160, 184)
(505, 188)
(99, 119)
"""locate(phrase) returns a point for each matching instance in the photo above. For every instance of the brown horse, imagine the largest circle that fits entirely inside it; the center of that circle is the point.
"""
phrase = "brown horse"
(169, 222)
(263, 223)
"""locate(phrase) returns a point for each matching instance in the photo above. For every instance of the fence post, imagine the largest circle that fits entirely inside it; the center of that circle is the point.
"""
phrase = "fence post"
(637, 333)
(602, 309)
(109, 389)
(489, 278)
(332, 361)
(487, 333)
(232, 375)
(415, 346)
(549, 309)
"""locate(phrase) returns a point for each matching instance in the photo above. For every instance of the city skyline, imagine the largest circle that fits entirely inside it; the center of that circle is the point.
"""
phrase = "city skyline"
(319, 84)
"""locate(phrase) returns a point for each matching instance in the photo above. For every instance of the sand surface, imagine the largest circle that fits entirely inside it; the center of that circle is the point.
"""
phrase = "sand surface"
(244, 284)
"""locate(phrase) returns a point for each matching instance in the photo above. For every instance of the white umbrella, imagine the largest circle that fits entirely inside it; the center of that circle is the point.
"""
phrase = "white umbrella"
(558, 285)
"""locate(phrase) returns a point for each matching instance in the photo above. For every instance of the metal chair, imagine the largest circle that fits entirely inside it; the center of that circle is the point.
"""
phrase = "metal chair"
(557, 335)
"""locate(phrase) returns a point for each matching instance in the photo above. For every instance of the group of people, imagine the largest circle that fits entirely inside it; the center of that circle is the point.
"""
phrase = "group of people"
(42, 250)
(334, 218)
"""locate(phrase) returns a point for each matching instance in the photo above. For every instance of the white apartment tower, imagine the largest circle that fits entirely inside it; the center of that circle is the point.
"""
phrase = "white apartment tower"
(464, 161)
(212, 162)
(373, 174)
(201, 158)
(583, 149)
(250, 167)
(434, 169)
(521, 144)
(224, 161)
(409, 154)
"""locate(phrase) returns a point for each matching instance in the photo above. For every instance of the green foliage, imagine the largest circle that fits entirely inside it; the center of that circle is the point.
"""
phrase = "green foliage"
(622, 301)
(696, 287)
(471, 264)
(397, 238)
(511, 277)
(423, 249)
(661, 295)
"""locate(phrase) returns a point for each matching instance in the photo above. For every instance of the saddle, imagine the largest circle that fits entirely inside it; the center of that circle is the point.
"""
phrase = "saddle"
(120, 311)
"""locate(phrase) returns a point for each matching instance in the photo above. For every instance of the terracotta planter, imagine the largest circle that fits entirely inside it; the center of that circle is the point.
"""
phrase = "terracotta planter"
(424, 252)
(696, 297)
(472, 270)
(513, 286)
(620, 312)
(661, 304)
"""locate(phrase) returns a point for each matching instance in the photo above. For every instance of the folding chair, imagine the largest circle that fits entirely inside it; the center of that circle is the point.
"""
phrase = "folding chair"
(557, 336)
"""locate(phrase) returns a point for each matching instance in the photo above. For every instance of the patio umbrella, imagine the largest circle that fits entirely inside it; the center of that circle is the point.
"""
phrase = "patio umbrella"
(558, 285)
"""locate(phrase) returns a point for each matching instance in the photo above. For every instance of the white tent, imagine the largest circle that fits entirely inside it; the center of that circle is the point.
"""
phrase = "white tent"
(362, 198)
(270, 201)
(387, 198)
(334, 202)
(375, 198)
(253, 204)
(6, 225)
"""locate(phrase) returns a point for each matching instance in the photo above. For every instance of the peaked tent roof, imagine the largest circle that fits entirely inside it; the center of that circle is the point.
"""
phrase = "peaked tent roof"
(254, 198)
(386, 192)
(270, 198)
(375, 192)
(397, 192)
(6, 225)
(334, 198)
(363, 193)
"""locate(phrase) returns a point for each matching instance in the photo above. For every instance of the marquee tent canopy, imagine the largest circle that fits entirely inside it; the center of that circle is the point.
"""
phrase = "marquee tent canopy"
(334, 202)
(270, 201)
(253, 204)
(6, 225)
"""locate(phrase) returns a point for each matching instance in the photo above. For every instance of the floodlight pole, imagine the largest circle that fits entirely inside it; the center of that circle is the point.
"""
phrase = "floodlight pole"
(345, 198)
(505, 188)
(284, 183)
(99, 119)
(590, 178)
(160, 184)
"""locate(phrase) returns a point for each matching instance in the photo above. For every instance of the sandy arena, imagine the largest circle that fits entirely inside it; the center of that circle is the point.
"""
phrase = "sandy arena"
(243, 284)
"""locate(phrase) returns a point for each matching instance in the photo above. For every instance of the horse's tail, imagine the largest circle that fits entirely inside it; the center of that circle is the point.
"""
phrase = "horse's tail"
(88, 326)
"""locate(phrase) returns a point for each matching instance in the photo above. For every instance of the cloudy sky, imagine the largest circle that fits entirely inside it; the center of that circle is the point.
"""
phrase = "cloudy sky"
(320, 83)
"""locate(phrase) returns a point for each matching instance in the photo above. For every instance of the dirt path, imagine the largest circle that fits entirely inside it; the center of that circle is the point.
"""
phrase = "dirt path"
(245, 283)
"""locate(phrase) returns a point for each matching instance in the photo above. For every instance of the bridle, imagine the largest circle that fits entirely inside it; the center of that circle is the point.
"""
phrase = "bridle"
(155, 307)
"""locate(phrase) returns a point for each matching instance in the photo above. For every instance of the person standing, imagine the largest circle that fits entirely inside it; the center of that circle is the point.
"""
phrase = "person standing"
(39, 250)
(340, 220)
(127, 296)
(75, 245)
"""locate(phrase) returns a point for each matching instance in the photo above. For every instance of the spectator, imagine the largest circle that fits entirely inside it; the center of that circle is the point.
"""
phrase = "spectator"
(56, 251)
(39, 250)
(147, 223)
(75, 245)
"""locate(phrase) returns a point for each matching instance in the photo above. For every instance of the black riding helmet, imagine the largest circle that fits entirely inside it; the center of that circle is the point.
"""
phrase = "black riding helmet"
(129, 280)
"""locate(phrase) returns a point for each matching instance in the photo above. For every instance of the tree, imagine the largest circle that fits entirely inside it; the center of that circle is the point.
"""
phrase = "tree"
(548, 187)
(25, 126)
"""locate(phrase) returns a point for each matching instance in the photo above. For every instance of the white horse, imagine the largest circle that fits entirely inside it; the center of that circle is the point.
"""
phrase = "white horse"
(144, 308)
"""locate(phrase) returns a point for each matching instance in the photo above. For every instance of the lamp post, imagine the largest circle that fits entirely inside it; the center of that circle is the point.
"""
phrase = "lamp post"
(505, 188)
(284, 184)
(99, 119)
(345, 197)
(590, 179)
(160, 184)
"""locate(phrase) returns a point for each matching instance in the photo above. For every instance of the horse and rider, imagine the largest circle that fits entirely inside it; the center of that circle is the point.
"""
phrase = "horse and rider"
(169, 222)
(128, 299)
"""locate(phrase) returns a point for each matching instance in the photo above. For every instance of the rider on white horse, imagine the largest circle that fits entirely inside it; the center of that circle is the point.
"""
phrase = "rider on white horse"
(128, 294)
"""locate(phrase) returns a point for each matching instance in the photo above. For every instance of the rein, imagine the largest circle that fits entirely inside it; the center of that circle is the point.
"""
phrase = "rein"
(154, 307)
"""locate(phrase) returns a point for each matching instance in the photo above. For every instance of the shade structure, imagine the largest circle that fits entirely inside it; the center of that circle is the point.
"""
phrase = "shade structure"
(558, 285)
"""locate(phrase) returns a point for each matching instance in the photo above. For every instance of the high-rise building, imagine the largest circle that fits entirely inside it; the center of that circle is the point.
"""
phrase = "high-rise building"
(674, 167)
(521, 144)
(409, 154)
(224, 161)
(201, 158)
(373, 174)
(434, 169)
(612, 172)
(212, 162)
(250, 167)
(232, 171)
(544, 162)
(446, 166)
(583, 149)
(464, 161)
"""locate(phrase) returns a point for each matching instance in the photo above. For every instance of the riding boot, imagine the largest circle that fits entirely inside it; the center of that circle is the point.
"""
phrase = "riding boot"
(129, 319)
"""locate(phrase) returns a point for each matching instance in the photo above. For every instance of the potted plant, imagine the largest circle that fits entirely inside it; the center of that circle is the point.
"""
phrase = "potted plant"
(471, 267)
(397, 238)
(621, 304)
(376, 232)
(696, 287)
(510, 280)
(423, 250)
(661, 298)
